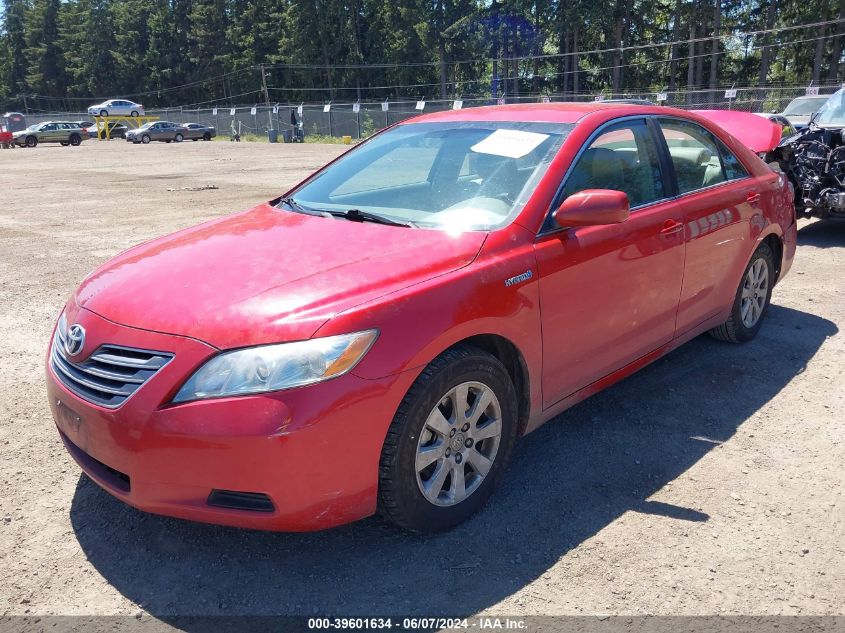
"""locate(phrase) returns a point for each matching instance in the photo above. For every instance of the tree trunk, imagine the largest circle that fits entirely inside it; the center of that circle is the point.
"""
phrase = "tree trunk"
(699, 50)
(836, 53)
(714, 48)
(673, 50)
(574, 61)
(766, 54)
(494, 21)
(514, 61)
(617, 58)
(817, 57)
(441, 47)
(567, 63)
(691, 61)
(535, 50)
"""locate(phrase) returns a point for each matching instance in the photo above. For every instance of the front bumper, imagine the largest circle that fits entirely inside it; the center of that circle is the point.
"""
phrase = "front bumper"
(314, 451)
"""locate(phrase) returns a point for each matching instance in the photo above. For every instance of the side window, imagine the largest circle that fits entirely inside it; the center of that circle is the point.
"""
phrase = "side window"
(695, 155)
(623, 157)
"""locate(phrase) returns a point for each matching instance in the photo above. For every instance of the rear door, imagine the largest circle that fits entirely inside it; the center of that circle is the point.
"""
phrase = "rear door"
(609, 294)
(718, 200)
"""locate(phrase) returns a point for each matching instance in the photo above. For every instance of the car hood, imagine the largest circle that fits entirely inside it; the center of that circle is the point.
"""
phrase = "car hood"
(266, 275)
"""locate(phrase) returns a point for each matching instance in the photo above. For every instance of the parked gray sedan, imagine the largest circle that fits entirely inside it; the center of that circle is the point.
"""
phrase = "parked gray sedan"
(197, 131)
(166, 131)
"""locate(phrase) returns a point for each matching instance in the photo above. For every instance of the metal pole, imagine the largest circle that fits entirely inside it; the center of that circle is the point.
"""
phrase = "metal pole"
(266, 96)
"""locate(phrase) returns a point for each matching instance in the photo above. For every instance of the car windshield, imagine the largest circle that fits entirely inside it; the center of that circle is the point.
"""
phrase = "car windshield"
(147, 126)
(832, 113)
(804, 106)
(468, 175)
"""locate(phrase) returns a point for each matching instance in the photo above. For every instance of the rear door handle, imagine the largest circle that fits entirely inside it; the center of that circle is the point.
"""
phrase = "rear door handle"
(752, 197)
(671, 226)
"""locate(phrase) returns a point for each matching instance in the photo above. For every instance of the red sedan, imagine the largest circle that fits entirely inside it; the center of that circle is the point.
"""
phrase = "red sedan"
(378, 338)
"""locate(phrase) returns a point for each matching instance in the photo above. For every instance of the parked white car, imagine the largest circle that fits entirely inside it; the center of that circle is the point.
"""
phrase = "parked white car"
(117, 107)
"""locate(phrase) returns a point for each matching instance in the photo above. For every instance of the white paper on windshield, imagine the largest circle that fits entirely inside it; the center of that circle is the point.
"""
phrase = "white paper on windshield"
(509, 143)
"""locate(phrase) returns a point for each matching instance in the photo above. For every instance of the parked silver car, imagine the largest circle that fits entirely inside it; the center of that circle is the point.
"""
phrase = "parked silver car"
(166, 131)
(800, 109)
(197, 131)
(117, 107)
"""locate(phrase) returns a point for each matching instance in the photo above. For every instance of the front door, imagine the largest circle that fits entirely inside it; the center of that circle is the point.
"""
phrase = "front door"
(609, 294)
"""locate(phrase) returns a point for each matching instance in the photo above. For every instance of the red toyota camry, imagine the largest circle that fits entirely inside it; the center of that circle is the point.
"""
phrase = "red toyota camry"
(379, 337)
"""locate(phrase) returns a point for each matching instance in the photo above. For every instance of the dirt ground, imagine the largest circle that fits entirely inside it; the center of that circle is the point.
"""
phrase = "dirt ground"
(709, 483)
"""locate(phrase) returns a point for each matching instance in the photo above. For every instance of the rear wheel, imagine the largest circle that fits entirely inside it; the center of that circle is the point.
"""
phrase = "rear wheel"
(133, 113)
(449, 442)
(752, 299)
(75, 139)
(206, 136)
(31, 141)
(64, 143)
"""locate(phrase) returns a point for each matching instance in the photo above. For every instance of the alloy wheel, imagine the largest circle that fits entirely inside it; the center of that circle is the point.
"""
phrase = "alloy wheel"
(458, 443)
(755, 290)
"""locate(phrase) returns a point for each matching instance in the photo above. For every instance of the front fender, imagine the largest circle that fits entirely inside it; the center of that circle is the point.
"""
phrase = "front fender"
(416, 324)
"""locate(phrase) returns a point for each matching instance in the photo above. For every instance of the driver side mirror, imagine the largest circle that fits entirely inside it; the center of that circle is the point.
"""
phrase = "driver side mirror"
(593, 207)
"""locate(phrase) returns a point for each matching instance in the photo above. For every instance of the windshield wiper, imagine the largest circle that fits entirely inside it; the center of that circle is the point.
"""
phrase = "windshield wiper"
(356, 215)
(293, 204)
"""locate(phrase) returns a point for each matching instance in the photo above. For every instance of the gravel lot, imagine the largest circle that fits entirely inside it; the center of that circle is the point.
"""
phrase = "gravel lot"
(709, 483)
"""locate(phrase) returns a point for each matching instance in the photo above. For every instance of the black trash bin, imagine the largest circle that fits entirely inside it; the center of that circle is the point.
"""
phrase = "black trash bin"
(273, 136)
(286, 136)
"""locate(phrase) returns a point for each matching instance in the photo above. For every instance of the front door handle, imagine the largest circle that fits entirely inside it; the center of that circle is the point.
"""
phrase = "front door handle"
(671, 226)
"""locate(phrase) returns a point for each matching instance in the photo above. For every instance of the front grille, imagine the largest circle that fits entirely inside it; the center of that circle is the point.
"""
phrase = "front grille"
(108, 376)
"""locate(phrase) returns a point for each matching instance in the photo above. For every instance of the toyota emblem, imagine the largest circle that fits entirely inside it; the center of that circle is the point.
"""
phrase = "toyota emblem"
(75, 339)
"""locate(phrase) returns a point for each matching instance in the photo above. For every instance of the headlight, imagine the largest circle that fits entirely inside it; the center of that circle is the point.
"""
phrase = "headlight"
(275, 367)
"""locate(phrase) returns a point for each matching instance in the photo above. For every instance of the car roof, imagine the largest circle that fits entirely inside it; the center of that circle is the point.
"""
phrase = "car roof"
(562, 112)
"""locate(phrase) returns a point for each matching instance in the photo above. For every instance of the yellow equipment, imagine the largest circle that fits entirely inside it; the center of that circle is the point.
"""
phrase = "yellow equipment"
(104, 129)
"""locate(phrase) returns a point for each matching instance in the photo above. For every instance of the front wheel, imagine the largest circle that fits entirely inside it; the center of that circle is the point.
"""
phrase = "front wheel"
(64, 143)
(449, 442)
(31, 141)
(104, 112)
(146, 139)
(752, 299)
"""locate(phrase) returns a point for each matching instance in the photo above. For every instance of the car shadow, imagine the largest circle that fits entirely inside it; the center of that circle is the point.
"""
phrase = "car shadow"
(567, 481)
(822, 234)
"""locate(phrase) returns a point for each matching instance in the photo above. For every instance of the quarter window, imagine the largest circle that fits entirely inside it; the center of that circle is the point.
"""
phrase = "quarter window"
(624, 158)
(733, 168)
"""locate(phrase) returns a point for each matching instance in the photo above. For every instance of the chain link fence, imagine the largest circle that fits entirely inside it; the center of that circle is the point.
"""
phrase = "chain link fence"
(359, 120)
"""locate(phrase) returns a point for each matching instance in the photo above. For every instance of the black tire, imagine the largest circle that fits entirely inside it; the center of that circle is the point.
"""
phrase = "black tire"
(399, 496)
(64, 143)
(194, 139)
(734, 330)
(31, 141)
(206, 136)
(104, 112)
(179, 138)
(145, 139)
(75, 140)
(133, 113)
